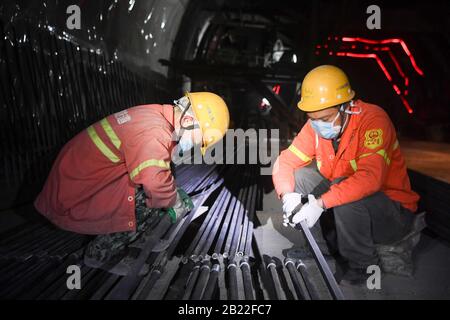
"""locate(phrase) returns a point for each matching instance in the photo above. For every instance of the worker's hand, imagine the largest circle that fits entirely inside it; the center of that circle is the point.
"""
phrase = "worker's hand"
(291, 201)
(310, 212)
(182, 206)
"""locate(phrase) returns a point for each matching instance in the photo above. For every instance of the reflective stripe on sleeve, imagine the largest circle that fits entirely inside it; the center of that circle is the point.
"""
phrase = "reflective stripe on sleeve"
(354, 165)
(299, 154)
(381, 152)
(110, 132)
(101, 145)
(149, 163)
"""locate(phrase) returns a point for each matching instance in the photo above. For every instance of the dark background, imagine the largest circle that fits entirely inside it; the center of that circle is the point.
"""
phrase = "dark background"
(55, 82)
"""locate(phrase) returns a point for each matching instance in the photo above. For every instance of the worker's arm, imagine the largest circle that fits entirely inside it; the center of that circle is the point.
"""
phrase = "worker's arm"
(372, 164)
(300, 153)
(148, 161)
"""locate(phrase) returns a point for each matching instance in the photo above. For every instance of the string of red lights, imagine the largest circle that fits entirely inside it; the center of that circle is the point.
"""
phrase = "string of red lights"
(378, 59)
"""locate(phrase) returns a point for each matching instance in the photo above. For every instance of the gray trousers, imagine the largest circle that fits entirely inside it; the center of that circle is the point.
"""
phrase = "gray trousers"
(358, 226)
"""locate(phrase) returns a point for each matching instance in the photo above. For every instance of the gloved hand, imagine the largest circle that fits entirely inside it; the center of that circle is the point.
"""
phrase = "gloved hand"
(290, 201)
(310, 212)
(182, 205)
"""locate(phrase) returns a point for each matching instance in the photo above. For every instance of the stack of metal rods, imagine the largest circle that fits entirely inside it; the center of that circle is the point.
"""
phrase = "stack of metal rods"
(224, 237)
(31, 250)
(210, 256)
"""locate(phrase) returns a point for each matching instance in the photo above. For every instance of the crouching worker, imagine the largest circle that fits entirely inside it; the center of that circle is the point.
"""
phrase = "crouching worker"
(110, 178)
(347, 158)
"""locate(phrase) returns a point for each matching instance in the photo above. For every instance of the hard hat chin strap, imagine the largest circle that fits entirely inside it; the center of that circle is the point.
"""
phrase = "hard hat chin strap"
(184, 104)
(345, 116)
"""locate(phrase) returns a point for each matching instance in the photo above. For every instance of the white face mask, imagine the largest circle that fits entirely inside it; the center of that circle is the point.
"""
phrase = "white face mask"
(185, 143)
(326, 130)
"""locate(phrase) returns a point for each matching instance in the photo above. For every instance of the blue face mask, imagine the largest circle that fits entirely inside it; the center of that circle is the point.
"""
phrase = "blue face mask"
(185, 144)
(326, 130)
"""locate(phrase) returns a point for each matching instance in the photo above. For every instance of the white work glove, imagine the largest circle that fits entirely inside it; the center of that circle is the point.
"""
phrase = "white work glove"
(310, 212)
(290, 202)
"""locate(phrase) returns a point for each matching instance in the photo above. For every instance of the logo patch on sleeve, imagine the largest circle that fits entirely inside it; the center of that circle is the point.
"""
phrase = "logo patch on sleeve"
(374, 138)
(122, 116)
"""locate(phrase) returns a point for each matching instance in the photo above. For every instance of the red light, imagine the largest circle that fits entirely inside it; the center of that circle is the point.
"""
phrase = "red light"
(318, 46)
(373, 56)
(399, 69)
(353, 46)
(383, 68)
(406, 104)
(395, 40)
(330, 53)
(276, 89)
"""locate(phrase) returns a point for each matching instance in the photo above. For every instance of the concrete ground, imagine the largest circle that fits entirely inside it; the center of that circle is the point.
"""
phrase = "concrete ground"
(431, 279)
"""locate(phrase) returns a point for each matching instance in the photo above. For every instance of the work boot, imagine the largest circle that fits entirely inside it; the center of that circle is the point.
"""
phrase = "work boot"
(396, 258)
(102, 253)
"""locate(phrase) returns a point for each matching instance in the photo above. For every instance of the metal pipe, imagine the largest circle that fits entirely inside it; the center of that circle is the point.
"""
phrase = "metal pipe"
(299, 286)
(233, 225)
(224, 229)
(248, 221)
(247, 279)
(200, 202)
(312, 289)
(232, 281)
(203, 278)
(212, 282)
(271, 266)
(330, 281)
(213, 229)
(193, 248)
(191, 281)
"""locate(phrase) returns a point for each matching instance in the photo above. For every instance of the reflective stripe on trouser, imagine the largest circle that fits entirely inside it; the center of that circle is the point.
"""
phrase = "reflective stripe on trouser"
(359, 225)
(105, 247)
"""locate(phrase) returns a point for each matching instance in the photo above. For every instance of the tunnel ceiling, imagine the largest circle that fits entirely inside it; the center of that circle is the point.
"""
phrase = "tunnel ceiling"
(237, 42)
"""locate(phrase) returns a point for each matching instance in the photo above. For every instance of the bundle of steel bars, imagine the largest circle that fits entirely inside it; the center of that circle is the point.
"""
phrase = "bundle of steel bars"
(208, 254)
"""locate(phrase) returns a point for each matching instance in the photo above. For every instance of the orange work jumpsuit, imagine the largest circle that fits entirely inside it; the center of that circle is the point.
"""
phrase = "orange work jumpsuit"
(91, 186)
(368, 156)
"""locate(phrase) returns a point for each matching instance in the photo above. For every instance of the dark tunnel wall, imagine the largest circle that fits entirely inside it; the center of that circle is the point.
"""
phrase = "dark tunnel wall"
(54, 82)
(225, 49)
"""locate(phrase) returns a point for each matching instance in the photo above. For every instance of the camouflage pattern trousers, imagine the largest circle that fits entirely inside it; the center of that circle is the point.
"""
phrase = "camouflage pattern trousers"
(104, 247)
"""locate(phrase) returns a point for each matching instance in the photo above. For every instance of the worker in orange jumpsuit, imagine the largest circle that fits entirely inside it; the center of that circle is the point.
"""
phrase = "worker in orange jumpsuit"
(347, 158)
(106, 180)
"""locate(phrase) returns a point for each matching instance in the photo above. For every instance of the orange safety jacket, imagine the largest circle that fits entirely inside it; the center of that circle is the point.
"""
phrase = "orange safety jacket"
(368, 155)
(91, 186)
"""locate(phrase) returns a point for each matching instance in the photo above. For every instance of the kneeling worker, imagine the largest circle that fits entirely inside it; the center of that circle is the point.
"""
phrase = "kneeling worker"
(106, 180)
(359, 172)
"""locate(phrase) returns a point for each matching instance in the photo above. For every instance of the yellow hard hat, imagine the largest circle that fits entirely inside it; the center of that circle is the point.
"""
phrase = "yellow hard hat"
(212, 115)
(323, 87)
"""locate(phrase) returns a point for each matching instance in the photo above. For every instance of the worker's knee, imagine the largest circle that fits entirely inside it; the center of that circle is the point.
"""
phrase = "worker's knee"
(306, 179)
